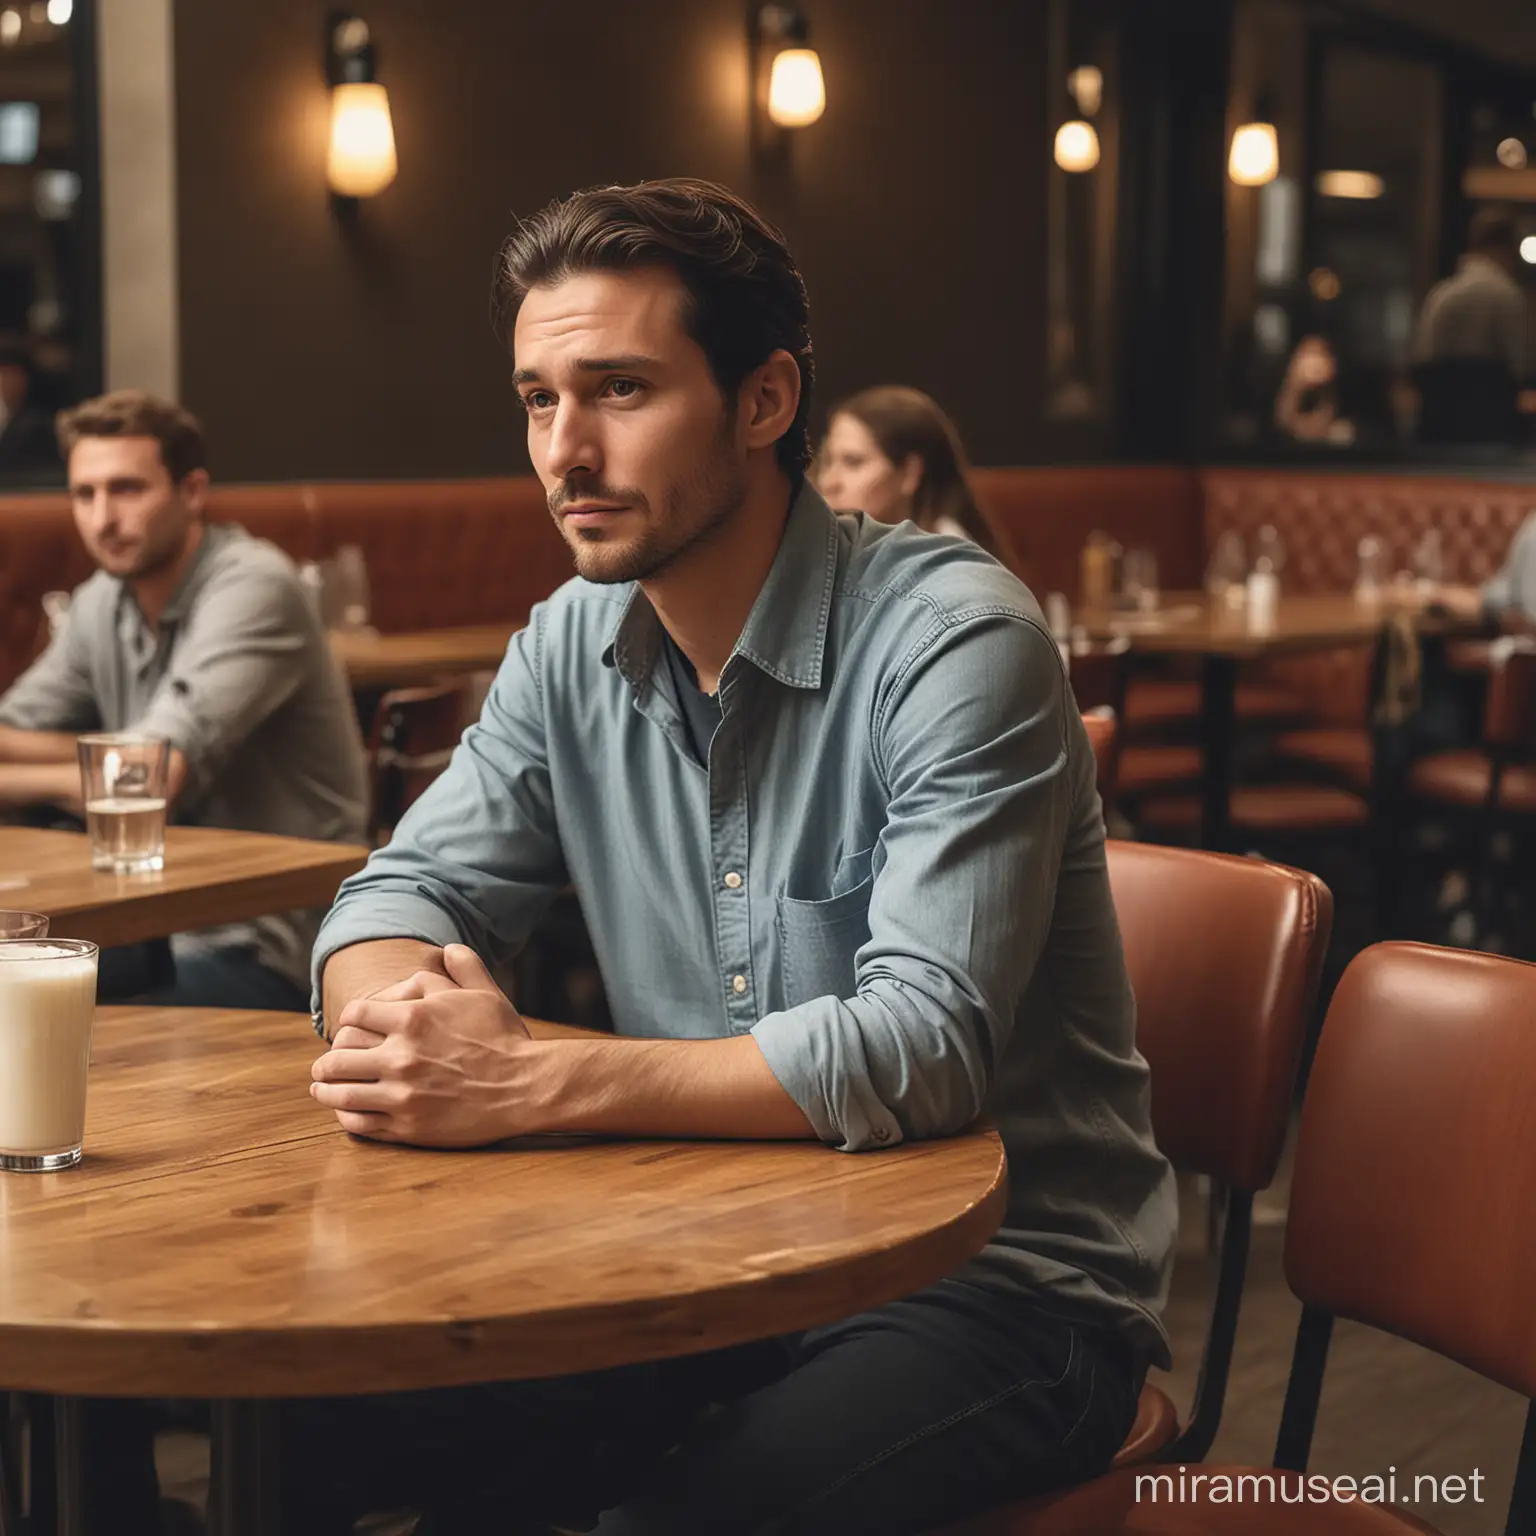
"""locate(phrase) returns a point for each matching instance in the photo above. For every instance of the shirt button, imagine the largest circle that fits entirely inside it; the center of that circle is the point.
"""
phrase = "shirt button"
(733, 881)
(738, 984)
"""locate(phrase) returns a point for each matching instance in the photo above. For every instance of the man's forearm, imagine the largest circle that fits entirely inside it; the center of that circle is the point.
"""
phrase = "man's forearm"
(23, 784)
(18, 746)
(715, 1089)
(361, 970)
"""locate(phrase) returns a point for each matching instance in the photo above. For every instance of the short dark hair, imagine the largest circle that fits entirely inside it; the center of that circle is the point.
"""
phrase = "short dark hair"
(746, 298)
(1491, 232)
(134, 413)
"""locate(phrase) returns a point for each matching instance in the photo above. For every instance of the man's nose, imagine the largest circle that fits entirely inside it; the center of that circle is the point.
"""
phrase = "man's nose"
(572, 446)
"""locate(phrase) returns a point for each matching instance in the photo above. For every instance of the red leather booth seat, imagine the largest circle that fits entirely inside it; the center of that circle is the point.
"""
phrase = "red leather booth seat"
(448, 552)
(439, 553)
(1048, 512)
(1323, 517)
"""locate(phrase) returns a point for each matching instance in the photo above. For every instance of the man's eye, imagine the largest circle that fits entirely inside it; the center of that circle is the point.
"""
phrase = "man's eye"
(538, 399)
(624, 389)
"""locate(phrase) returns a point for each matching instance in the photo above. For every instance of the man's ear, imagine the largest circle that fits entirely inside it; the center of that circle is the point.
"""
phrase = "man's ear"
(194, 491)
(770, 397)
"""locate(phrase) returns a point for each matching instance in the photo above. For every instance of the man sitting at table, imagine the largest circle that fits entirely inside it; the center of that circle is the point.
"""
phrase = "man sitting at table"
(203, 635)
(822, 790)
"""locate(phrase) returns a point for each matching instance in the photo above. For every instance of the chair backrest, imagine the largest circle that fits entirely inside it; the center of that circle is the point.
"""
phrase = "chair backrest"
(413, 734)
(1225, 955)
(1415, 1175)
(1509, 716)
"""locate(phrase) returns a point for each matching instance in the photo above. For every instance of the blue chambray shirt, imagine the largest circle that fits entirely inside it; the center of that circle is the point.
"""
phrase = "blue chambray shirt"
(891, 871)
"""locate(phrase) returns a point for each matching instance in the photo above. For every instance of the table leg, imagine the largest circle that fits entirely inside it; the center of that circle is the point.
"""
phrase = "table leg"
(1218, 718)
(69, 1464)
(243, 1493)
(10, 1506)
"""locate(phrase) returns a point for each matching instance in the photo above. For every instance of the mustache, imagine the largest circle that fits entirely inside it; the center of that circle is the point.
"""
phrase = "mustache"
(569, 491)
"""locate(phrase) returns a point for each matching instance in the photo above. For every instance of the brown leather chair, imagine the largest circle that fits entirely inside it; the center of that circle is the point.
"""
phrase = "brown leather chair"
(1493, 785)
(1225, 956)
(1417, 1153)
(413, 735)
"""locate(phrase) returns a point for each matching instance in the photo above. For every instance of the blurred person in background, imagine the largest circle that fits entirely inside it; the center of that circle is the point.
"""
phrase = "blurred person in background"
(892, 453)
(1307, 407)
(27, 442)
(202, 635)
(1470, 351)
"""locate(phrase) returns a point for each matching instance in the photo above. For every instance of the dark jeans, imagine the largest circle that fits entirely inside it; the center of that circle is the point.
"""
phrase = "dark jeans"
(219, 978)
(900, 1420)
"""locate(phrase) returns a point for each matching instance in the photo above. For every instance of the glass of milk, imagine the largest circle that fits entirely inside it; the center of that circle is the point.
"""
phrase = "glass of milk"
(122, 781)
(23, 925)
(47, 1003)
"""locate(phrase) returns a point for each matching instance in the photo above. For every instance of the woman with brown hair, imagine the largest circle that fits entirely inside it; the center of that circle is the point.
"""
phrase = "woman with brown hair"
(892, 453)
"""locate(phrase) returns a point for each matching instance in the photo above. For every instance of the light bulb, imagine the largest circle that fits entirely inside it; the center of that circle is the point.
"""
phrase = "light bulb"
(797, 94)
(1077, 146)
(362, 150)
(1255, 157)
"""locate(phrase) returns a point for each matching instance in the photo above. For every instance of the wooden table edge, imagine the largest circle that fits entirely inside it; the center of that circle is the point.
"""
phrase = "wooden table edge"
(115, 920)
(92, 1359)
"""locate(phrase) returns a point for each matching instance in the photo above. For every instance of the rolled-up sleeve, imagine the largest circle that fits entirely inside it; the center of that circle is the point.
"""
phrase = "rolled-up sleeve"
(477, 859)
(55, 692)
(1514, 584)
(973, 744)
(242, 655)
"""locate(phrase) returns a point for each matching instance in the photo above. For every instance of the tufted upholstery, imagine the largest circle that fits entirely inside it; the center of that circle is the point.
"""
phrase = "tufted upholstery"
(1323, 517)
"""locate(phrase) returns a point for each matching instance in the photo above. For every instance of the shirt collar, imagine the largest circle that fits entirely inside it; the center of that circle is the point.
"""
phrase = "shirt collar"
(786, 632)
(186, 589)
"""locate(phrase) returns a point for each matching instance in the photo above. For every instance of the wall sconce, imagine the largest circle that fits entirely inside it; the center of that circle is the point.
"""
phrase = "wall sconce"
(789, 89)
(1077, 140)
(1077, 146)
(1353, 184)
(1255, 157)
(360, 158)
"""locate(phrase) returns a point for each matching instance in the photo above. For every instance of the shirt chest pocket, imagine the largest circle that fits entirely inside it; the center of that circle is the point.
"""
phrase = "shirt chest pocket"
(818, 940)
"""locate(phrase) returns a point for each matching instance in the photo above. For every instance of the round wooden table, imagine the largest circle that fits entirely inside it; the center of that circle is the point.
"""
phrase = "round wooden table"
(224, 1239)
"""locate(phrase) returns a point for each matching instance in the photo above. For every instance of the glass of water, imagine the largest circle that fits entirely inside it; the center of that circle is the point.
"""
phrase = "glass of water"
(122, 781)
(23, 925)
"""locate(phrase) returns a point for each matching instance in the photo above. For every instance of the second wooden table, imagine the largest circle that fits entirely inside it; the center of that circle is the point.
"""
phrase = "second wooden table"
(211, 876)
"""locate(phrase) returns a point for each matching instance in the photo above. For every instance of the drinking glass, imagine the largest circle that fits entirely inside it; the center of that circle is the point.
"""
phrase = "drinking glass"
(1140, 579)
(1228, 571)
(47, 1006)
(349, 580)
(23, 925)
(1370, 569)
(122, 781)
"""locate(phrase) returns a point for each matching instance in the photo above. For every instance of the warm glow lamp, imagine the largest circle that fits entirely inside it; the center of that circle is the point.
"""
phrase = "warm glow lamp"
(1077, 146)
(1361, 185)
(1255, 157)
(790, 92)
(361, 162)
(360, 157)
(797, 96)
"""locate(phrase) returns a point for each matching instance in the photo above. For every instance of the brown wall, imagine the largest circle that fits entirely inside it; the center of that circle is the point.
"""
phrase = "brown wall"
(317, 350)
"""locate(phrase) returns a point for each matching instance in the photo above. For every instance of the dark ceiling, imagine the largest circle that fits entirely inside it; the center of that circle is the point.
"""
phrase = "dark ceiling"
(1503, 29)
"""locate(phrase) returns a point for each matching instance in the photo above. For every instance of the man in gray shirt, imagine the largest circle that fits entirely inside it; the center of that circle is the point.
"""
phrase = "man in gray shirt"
(202, 635)
(829, 808)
